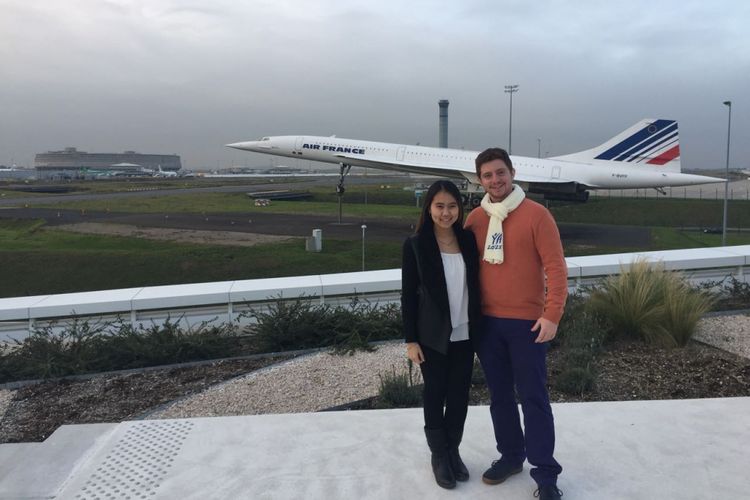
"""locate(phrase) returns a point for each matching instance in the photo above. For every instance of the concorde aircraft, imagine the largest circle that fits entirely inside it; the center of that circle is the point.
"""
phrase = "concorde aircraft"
(646, 155)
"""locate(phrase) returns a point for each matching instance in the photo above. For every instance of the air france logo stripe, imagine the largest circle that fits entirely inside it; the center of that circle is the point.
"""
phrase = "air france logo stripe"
(646, 134)
(666, 156)
(650, 151)
(656, 149)
(634, 146)
(652, 143)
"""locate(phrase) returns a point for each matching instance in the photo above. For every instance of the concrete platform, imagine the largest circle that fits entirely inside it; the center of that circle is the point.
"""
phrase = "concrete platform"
(680, 449)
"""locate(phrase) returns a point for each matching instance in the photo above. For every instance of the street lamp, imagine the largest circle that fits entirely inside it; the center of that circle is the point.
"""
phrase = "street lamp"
(539, 147)
(510, 89)
(726, 183)
(364, 228)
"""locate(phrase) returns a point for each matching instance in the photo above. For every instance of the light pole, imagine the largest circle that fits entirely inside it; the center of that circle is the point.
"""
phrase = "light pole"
(510, 89)
(726, 183)
(539, 147)
(364, 228)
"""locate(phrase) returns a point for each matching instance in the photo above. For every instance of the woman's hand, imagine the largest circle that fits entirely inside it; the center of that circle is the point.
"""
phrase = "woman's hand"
(414, 352)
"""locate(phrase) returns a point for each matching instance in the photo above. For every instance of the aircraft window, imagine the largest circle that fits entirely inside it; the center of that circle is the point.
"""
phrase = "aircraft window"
(266, 139)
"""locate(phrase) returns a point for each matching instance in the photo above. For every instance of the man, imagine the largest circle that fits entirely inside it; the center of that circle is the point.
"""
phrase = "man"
(519, 246)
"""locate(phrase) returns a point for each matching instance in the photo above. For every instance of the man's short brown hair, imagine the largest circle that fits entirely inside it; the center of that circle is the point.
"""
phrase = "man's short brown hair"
(491, 154)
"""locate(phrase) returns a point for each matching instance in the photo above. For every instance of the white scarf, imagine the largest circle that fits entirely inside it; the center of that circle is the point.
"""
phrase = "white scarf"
(493, 245)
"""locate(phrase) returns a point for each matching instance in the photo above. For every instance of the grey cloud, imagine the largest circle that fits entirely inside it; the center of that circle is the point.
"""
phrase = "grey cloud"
(188, 77)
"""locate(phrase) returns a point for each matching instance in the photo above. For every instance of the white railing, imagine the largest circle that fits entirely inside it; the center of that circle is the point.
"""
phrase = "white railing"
(230, 301)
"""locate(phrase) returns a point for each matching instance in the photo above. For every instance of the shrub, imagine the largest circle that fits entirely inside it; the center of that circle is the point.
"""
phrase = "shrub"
(167, 343)
(650, 303)
(729, 293)
(397, 390)
(47, 353)
(298, 324)
(82, 346)
(581, 341)
(580, 325)
(575, 380)
(290, 325)
(736, 293)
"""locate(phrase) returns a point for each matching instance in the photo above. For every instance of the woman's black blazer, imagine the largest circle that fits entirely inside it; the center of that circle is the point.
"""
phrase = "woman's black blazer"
(438, 336)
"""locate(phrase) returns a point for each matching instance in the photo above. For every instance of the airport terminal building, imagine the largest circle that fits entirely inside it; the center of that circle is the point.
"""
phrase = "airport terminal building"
(72, 163)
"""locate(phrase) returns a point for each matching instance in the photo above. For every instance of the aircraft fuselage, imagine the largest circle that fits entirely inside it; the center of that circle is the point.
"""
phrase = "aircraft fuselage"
(459, 163)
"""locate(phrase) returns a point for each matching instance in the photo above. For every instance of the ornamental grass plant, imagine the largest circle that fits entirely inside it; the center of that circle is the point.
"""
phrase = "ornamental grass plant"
(683, 308)
(650, 303)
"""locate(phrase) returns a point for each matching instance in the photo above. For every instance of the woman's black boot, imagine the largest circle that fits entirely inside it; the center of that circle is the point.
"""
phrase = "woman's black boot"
(458, 467)
(441, 467)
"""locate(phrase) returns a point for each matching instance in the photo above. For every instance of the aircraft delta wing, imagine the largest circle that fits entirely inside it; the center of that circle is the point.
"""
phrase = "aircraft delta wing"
(646, 155)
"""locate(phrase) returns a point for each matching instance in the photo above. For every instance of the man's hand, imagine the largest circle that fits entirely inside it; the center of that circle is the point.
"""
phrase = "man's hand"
(414, 352)
(547, 330)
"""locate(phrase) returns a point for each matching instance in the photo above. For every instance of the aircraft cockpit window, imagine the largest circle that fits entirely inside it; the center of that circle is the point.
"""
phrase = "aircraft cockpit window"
(266, 139)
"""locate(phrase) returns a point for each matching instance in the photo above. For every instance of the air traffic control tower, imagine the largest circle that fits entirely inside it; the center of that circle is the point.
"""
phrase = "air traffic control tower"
(443, 114)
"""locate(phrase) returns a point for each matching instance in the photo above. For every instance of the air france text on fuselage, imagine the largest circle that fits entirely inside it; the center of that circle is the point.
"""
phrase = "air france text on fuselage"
(334, 149)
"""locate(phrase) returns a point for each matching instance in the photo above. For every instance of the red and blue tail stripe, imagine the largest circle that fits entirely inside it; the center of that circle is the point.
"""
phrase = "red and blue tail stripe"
(656, 144)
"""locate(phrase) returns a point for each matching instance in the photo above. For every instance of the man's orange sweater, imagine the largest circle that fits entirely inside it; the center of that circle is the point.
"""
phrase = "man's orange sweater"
(532, 249)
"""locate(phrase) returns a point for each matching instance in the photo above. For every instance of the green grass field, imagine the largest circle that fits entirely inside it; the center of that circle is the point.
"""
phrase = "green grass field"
(6, 194)
(233, 203)
(36, 260)
(396, 202)
(668, 212)
(39, 260)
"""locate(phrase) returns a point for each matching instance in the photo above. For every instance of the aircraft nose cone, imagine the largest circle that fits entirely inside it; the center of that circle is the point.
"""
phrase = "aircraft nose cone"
(236, 145)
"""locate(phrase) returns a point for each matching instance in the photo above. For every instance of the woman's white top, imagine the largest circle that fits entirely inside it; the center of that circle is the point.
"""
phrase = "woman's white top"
(458, 294)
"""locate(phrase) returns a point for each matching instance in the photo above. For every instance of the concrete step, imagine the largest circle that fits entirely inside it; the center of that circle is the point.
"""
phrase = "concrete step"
(39, 470)
(679, 449)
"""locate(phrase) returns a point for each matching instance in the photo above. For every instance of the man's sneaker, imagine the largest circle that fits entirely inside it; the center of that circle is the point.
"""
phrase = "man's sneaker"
(500, 471)
(549, 492)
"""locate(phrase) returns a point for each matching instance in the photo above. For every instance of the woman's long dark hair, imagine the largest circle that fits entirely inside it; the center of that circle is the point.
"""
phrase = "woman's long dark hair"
(425, 221)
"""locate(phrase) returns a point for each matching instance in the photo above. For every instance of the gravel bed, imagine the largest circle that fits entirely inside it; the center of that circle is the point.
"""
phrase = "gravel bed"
(305, 384)
(729, 333)
(322, 380)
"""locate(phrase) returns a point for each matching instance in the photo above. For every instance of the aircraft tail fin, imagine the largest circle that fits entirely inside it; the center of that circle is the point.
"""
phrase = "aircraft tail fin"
(650, 143)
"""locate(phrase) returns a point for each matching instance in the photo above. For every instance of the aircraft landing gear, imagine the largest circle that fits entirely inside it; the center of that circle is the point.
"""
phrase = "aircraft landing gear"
(343, 170)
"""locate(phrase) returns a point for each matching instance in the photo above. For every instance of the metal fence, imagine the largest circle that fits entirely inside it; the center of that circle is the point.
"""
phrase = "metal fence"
(738, 190)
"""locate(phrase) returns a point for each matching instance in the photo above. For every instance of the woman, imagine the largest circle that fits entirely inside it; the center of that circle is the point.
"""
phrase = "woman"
(441, 310)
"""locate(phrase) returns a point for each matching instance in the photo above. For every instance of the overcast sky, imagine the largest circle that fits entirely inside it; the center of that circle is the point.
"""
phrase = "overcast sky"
(187, 77)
